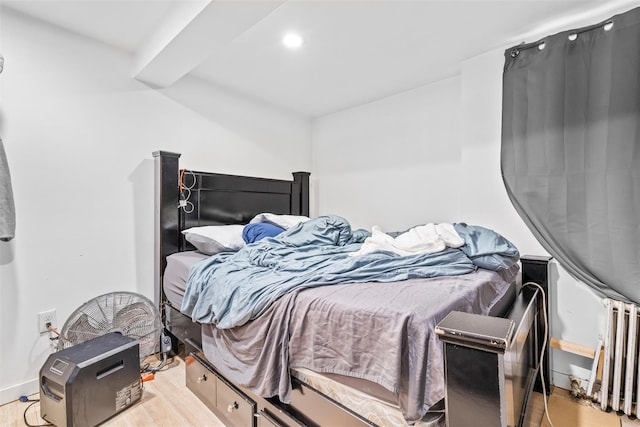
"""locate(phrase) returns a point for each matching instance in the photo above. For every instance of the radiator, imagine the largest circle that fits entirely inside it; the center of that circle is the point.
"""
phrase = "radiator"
(620, 376)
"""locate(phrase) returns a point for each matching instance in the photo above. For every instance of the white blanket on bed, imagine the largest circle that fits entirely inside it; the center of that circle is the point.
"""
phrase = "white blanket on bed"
(423, 239)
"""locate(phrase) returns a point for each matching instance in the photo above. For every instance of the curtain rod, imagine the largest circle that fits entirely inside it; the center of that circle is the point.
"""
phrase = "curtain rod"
(607, 24)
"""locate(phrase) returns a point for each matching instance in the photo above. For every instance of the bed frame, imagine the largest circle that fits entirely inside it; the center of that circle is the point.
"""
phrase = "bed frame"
(491, 363)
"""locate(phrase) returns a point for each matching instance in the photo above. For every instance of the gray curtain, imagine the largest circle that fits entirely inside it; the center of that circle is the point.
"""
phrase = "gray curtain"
(570, 152)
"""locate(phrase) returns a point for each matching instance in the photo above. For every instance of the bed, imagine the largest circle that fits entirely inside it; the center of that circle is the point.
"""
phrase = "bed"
(301, 375)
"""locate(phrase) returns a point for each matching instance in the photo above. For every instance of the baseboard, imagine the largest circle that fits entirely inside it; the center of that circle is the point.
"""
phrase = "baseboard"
(563, 380)
(12, 393)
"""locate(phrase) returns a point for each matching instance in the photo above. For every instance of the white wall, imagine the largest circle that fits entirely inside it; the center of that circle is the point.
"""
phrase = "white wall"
(393, 163)
(79, 133)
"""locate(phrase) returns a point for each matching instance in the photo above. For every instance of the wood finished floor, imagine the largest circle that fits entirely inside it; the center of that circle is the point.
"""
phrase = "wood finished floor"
(166, 402)
(567, 411)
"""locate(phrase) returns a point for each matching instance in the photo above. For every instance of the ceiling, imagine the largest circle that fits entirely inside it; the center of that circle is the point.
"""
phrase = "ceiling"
(354, 52)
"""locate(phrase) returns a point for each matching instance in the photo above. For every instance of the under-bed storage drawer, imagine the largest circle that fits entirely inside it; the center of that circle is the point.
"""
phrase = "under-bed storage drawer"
(266, 419)
(201, 381)
(238, 408)
(232, 406)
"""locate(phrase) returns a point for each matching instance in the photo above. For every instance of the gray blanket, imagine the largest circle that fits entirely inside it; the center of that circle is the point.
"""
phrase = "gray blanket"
(382, 332)
(7, 208)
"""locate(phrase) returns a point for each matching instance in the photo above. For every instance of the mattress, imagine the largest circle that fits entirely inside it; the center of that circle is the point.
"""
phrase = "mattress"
(175, 277)
(175, 281)
(367, 398)
(368, 405)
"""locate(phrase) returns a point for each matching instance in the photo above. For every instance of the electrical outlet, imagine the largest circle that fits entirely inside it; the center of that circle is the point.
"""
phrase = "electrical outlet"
(166, 343)
(44, 318)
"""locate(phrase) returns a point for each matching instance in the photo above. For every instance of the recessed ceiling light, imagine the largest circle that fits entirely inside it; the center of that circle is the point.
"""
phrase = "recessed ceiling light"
(292, 40)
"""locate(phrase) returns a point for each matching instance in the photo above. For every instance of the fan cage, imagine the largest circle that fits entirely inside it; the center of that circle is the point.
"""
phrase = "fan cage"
(128, 313)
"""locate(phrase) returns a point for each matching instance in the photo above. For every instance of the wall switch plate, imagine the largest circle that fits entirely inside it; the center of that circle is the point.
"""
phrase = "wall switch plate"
(44, 318)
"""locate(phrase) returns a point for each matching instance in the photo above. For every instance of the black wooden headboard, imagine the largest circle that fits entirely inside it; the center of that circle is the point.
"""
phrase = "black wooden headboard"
(217, 199)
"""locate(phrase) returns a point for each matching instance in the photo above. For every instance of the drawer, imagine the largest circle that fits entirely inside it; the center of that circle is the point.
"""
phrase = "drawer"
(232, 406)
(201, 381)
(270, 415)
(266, 419)
(237, 408)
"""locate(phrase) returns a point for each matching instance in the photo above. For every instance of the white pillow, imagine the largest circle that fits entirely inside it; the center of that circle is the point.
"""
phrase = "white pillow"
(284, 221)
(213, 239)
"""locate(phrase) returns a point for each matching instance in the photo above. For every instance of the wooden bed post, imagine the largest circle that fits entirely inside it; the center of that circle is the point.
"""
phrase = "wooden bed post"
(491, 363)
(537, 269)
(475, 350)
(166, 216)
(300, 194)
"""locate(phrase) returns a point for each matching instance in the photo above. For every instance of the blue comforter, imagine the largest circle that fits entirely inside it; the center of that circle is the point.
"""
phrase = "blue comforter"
(231, 288)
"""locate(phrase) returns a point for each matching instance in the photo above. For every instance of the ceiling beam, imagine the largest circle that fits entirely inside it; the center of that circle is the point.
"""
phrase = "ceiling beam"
(192, 32)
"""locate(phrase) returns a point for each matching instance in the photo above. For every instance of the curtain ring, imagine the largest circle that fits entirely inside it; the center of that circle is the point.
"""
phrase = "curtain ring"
(515, 53)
